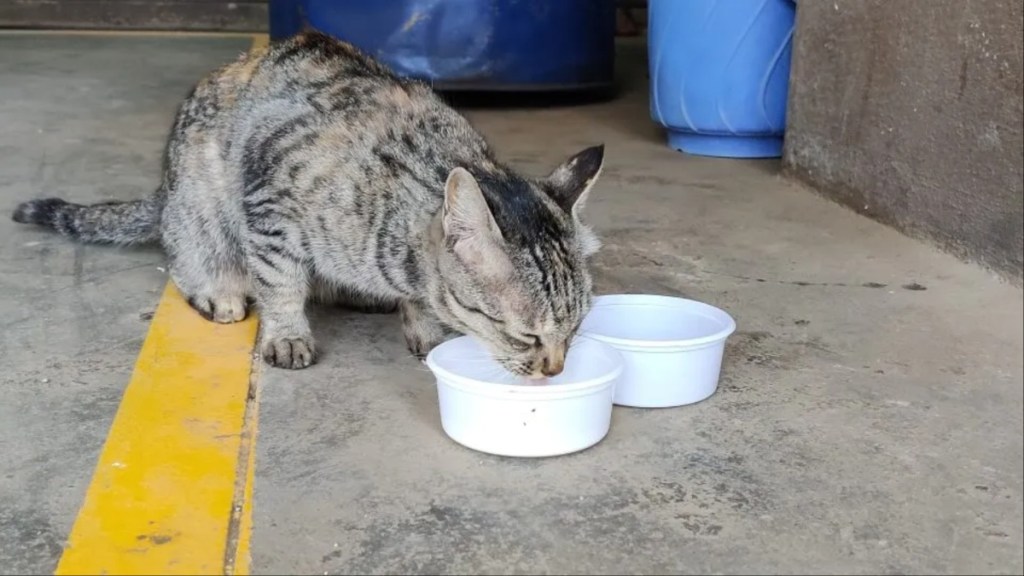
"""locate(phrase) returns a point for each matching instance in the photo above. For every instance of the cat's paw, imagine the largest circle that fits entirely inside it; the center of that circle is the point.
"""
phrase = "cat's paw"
(220, 309)
(421, 342)
(422, 330)
(420, 347)
(290, 353)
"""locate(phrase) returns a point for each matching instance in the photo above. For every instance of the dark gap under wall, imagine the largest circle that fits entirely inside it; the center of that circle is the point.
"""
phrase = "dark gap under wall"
(199, 15)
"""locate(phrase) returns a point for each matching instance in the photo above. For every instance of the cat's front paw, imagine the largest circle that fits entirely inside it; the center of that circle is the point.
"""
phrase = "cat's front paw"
(422, 331)
(420, 346)
(292, 353)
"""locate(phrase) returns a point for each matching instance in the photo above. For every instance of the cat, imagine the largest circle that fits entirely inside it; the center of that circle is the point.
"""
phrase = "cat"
(308, 169)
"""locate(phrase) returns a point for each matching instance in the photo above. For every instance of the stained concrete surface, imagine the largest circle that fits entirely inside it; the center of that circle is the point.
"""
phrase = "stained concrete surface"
(864, 424)
(868, 419)
(82, 117)
(912, 113)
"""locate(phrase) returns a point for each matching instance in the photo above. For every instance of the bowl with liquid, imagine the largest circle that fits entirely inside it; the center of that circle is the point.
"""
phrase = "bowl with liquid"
(671, 348)
(487, 408)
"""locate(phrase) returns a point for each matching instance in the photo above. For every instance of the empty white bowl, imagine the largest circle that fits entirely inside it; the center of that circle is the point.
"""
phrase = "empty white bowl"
(486, 408)
(672, 347)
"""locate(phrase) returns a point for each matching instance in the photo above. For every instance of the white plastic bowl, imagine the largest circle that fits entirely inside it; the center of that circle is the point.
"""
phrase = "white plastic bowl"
(672, 348)
(486, 408)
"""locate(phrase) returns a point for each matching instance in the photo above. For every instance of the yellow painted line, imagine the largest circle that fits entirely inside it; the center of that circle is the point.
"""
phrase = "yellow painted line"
(237, 556)
(163, 496)
(260, 41)
(172, 490)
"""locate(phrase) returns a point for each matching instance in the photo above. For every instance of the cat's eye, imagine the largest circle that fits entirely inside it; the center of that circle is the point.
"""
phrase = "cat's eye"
(517, 344)
(524, 342)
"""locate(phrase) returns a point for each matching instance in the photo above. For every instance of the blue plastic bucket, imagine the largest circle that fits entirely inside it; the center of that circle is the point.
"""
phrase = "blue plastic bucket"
(720, 74)
(505, 45)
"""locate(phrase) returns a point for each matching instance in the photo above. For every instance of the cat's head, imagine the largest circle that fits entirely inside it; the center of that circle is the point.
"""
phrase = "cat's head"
(513, 261)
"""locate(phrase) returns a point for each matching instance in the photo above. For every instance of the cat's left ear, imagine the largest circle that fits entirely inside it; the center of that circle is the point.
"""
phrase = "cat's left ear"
(571, 182)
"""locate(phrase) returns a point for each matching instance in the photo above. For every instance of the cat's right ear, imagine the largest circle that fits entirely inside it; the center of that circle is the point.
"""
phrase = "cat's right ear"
(466, 214)
(469, 226)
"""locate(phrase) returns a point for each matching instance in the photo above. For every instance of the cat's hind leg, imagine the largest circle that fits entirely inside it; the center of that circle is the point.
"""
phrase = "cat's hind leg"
(206, 261)
(201, 223)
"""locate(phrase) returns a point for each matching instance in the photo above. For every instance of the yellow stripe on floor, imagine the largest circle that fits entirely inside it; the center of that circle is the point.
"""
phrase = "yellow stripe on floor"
(163, 494)
(260, 41)
(172, 491)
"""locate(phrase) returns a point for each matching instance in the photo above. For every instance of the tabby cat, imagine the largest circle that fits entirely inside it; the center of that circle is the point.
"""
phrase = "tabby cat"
(309, 169)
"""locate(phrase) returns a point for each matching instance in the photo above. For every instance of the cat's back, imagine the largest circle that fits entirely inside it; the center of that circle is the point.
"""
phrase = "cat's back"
(329, 77)
(345, 96)
(313, 61)
(350, 103)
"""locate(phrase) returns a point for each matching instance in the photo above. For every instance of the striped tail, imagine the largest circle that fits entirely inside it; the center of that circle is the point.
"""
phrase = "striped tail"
(135, 222)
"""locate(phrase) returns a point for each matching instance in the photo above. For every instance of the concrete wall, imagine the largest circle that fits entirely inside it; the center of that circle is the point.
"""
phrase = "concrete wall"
(910, 111)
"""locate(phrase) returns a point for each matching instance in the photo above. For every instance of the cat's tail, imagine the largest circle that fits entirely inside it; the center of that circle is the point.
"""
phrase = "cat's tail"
(135, 222)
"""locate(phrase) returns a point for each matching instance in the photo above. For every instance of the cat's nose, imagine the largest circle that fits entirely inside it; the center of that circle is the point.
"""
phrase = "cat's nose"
(553, 362)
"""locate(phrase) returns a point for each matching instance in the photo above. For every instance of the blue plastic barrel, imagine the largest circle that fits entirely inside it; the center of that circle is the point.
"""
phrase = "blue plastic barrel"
(534, 45)
(720, 74)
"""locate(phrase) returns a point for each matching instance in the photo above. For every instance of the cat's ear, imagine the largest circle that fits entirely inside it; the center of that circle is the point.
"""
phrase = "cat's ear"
(570, 183)
(469, 226)
(466, 214)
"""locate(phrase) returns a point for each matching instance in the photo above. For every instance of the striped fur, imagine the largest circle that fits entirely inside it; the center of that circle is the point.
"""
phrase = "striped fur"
(307, 170)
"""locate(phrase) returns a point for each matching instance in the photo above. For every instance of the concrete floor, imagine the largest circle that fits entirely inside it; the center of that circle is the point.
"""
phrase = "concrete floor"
(85, 118)
(868, 419)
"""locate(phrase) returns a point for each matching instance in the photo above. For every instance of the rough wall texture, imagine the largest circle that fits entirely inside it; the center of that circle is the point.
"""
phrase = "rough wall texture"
(911, 112)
